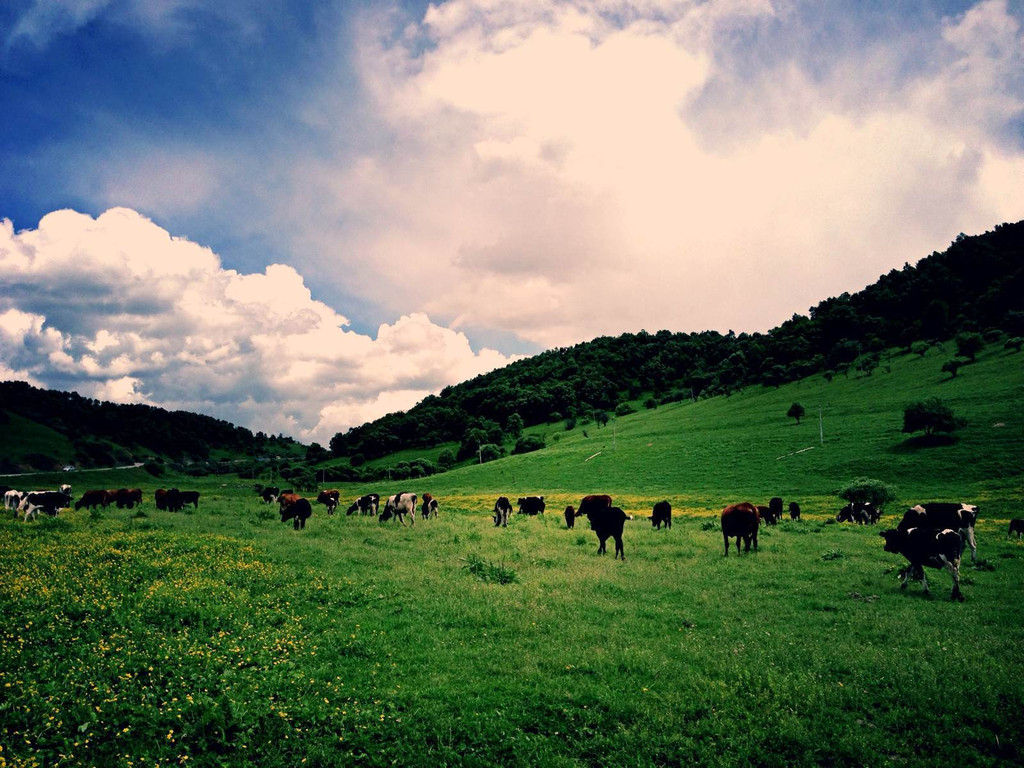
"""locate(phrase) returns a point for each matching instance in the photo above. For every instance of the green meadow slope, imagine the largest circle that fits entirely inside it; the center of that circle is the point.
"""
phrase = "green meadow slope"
(703, 455)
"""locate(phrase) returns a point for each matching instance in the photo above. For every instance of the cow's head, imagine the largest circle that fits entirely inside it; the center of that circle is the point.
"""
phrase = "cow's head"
(893, 539)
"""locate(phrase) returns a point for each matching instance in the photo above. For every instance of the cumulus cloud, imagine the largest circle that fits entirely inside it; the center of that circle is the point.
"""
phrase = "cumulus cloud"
(562, 170)
(117, 308)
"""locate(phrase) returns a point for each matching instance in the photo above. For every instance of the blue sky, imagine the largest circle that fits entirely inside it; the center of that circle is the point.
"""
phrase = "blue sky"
(431, 190)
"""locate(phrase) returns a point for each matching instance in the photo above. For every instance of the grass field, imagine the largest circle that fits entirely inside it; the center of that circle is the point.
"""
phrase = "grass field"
(223, 637)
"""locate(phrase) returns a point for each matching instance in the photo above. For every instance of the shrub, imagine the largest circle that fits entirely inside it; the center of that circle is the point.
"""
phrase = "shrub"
(931, 416)
(624, 409)
(1015, 343)
(866, 490)
(446, 458)
(528, 443)
(156, 470)
(487, 571)
(969, 345)
(952, 367)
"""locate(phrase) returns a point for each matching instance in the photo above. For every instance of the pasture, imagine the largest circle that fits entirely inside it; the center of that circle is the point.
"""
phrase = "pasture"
(212, 637)
(221, 636)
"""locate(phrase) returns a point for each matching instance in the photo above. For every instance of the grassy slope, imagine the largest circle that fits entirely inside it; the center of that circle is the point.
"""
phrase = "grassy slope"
(707, 454)
(222, 632)
(23, 437)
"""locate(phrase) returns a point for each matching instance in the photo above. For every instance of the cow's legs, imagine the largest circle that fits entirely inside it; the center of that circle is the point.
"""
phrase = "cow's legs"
(954, 571)
(619, 551)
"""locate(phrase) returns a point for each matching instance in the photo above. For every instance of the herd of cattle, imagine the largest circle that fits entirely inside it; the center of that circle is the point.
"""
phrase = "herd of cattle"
(930, 535)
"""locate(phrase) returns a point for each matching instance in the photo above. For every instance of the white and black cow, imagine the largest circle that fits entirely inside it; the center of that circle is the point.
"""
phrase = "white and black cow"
(398, 506)
(365, 505)
(429, 507)
(502, 509)
(860, 512)
(938, 515)
(531, 505)
(12, 500)
(48, 502)
(931, 547)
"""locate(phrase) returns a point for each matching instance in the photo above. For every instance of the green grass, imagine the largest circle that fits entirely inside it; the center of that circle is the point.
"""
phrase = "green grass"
(221, 635)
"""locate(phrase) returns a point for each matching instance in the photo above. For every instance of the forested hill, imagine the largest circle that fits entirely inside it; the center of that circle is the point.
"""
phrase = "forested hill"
(972, 290)
(95, 433)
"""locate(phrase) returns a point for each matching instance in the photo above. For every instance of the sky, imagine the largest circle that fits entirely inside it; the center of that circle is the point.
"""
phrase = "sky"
(300, 216)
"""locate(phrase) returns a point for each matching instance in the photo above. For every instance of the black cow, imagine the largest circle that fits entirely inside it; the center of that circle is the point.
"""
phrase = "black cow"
(570, 517)
(794, 511)
(742, 521)
(366, 505)
(605, 520)
(775, 509)
(295, 508)
(329, 498)
(531, 505)
(938, 515)
(662, 513)
(1016, 526)
(188, 497)
(860, 512)
(502, 509)
(927, 547)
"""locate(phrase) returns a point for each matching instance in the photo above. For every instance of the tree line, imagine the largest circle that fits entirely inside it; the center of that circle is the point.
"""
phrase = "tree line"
(976, 286)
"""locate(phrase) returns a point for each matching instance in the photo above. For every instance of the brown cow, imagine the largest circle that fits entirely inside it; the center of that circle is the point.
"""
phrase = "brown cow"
(93, 499)
(740, 520)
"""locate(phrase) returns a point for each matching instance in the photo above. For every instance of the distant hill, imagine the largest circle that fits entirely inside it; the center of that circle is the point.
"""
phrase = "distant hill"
(973, 290)
(45, 429)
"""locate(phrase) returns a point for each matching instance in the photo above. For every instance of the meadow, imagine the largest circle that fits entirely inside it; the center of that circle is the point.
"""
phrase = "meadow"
(223, 637)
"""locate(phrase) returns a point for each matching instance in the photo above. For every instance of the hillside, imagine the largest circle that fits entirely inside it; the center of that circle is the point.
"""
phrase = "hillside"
(703, 454)
(46, 429)
(972, 291)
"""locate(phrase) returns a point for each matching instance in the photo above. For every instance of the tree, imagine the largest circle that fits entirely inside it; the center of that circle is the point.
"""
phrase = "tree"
(920, 348)
(865, 490)
(969, 345)
(953, 366)
(931, 416)
(528, 443)
(446, 458)
(796, 411)
(514, 425)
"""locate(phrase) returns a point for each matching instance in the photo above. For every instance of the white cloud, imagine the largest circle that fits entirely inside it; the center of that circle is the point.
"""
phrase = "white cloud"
(563, 170)
(118, 309)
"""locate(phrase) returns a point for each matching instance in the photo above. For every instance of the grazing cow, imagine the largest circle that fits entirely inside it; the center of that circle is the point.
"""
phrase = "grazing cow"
(366, 505)
(1016, 526)
(429, 508)
(531, 505)
(860, 512)
(570, 517)
(502, 509)
(329, 499)
(775, 506)
(270, 494)
(662, 513)
(168, 500)
(12, 500)
(47, 501)
(742, 521)
(605, 520)
(932, 547)
(938, 515)
(188, 497)
(398, 506)
(125, 497)
(296, 508)
(794, 511)
(93, 499)
(763, 512)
